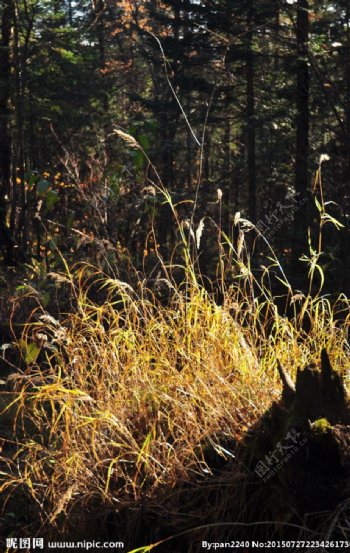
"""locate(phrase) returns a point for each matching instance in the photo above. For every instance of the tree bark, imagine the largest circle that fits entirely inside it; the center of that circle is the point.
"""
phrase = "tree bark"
(6, 241)
(302, 132)
(345, 188)
(19, 227)
(346, 177)
(250, 110)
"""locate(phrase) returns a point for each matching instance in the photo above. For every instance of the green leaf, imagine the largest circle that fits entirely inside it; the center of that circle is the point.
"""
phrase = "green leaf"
(43, 186)
(318, 205)
(31, 178)
(32, 353)
(143, 140)
(51, 199)
(139, 159)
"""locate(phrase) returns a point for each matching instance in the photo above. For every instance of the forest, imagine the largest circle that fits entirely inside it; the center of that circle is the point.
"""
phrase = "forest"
(174, 275)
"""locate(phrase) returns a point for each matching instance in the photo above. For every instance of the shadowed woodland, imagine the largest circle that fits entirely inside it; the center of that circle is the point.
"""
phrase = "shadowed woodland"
(174, 272)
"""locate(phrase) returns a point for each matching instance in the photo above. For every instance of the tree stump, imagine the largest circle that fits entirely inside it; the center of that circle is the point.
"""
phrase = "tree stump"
(295, 463)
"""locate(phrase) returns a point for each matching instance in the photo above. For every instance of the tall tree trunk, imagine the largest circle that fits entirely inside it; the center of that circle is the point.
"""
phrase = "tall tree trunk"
(250, 110)
(302, 138)
(227, 169)
(99, 9)
(18, 169)
(167, 174)
(6, 241)
(346, 177)
(344, 192)
(276, 60)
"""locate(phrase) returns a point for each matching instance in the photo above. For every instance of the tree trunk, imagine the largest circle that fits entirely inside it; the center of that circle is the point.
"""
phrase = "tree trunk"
(19, 227)
(302, 138)
(99, 8)
(344, 191)
(6, 241)
(346, 177)
(251, 138)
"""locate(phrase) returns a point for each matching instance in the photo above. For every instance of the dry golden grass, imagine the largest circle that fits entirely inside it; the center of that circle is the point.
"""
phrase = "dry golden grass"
(126, 394)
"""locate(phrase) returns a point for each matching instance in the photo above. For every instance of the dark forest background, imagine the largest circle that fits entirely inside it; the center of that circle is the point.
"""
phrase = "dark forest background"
(174, 255)
(239, 105)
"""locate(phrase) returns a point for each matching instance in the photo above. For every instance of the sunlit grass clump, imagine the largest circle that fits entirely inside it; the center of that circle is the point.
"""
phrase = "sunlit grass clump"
(127, 395)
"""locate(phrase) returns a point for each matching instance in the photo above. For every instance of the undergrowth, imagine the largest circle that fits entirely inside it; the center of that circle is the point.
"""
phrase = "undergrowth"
(126, 396)
(120, 401)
